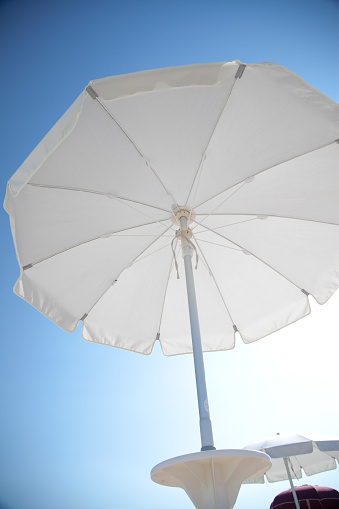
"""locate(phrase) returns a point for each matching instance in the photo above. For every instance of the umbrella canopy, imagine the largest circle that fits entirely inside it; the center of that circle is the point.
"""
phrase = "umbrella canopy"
(248, 154)
(312, 454)
(292, 452)
(309, 497)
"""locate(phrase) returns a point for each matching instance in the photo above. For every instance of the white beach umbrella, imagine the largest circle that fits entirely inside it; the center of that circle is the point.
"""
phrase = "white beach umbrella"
(292, 453)
(236, 162)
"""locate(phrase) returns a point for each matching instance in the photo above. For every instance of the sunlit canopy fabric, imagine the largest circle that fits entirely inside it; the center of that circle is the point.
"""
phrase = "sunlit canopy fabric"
(252, 149)
(311, 454)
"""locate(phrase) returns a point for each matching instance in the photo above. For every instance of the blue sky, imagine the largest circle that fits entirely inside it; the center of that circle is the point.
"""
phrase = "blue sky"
(82, 424)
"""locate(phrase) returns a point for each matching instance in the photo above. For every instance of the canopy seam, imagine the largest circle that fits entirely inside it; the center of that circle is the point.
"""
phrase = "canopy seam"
(203, 156)
(255, 256)
(136, 147)
(165, 292)
(215, 282)
(91, 191)
(265, 170)
(29, 265)
(115, 279)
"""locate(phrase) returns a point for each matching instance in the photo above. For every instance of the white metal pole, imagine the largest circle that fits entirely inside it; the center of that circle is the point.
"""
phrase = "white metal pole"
(291, 483)
(205, 421)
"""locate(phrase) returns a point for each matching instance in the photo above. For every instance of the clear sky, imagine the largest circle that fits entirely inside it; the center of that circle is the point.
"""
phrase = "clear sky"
(82, 424)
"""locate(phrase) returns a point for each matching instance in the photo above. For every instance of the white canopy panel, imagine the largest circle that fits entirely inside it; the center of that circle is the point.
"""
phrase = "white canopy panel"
(252, 149)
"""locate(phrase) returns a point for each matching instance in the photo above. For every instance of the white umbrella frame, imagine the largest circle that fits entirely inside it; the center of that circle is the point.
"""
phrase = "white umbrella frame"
(312, 453)
(197, 134)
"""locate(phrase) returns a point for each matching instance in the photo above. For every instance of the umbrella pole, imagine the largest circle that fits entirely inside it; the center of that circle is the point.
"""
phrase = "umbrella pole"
(205, 421)
(291, 483)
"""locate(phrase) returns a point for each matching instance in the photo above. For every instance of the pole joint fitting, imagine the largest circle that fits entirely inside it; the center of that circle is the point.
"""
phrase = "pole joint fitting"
(184, 235)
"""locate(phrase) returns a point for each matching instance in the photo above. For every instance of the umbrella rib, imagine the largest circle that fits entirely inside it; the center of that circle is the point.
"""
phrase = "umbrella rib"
(255, 256)
(117, 277)
(225, 225)
(203, 156)
(29, 265)
(100, 193)
(166, 287)
(136, 147)
(228, 197)
(220, 245)
(267, 169)
(215, 282)
(260, 216)
(153, 252)
(140, 212)
(291, 466)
